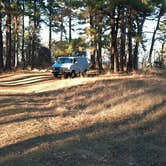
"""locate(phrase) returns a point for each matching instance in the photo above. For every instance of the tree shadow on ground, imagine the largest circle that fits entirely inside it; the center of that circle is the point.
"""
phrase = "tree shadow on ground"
(108, 143)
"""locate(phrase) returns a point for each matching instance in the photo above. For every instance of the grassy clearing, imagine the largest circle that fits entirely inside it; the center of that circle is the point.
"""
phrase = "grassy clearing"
(104, 120)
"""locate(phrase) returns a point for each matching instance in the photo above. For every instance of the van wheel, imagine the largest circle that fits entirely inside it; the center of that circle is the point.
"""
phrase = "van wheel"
(84, 73)
(73, 74)
(65, 75)
(55, 75)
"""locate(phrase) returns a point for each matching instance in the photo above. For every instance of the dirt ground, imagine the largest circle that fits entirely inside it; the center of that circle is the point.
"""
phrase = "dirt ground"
(106, 120)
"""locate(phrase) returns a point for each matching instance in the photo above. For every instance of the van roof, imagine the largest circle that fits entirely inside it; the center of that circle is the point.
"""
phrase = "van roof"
(71, 57)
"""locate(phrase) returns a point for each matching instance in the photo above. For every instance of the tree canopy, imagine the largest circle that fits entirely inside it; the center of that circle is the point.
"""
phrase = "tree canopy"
(107, 29)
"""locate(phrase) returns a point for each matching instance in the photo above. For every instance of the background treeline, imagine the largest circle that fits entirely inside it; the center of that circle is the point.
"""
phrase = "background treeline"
(113, 25)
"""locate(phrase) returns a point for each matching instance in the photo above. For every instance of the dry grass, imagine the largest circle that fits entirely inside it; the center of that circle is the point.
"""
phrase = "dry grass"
(104, 120)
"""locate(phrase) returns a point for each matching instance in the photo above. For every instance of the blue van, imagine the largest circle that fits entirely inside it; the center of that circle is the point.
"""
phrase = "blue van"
(70, 66)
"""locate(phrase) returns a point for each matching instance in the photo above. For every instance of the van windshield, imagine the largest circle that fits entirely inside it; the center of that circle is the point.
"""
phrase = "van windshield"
(64, 60)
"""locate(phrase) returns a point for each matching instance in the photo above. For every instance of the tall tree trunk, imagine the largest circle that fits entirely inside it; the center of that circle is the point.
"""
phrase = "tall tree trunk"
(130, 57)
(50, 25)
(92, 54)
(162, 52)
(154, 35)
(15, 56)
(23, 35)
(15, 23)
(99, 57)
(139, 34)
(8, 39)
(1, 44)
(33, 51)
(70, 27)
(99, 20)
(61, 28)
(34, 35)
(116, 57)
(135, 56)
(123, 39)
(114, 32)
(113, 41)
(29, 57)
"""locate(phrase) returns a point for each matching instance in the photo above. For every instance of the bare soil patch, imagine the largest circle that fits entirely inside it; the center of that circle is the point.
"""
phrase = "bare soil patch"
(103, 120)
